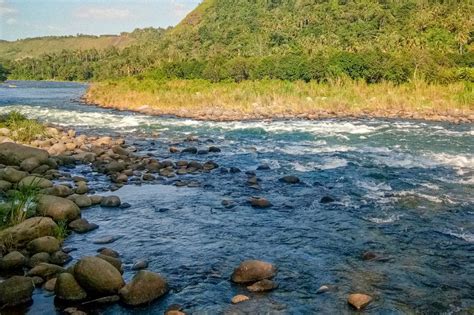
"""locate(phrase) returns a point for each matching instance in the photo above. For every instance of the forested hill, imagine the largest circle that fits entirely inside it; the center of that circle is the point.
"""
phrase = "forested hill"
(289, 39)
(36, 47)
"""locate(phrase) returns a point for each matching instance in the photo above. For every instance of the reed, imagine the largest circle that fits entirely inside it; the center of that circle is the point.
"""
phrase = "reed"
(282, 99)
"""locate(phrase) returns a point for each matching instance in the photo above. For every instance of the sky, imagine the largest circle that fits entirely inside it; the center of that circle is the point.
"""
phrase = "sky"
(32, 18)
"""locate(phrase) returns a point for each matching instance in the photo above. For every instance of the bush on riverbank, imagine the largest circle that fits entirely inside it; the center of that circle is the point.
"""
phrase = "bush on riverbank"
(20, 204)
(21, 128)
(284, 99)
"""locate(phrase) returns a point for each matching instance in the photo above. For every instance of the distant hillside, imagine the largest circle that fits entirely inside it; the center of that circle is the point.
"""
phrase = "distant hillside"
(35, 47)
(263, 27)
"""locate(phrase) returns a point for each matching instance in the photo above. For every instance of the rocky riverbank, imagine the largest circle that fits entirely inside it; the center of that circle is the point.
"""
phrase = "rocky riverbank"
(31, 250)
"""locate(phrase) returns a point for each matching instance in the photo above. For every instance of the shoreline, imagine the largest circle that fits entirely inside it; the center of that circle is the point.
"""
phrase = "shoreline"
(253, 101)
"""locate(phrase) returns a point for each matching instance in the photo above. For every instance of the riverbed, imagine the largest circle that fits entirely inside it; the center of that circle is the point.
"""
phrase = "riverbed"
(403, 189)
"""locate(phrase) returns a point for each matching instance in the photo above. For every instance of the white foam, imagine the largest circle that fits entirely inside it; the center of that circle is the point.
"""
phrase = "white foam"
(468, 237)
(384, 220)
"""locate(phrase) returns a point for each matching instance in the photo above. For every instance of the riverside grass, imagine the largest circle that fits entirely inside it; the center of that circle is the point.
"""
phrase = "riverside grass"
(268, 99)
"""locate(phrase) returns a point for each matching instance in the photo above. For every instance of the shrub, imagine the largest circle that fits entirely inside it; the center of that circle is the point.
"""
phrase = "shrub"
(22, 128)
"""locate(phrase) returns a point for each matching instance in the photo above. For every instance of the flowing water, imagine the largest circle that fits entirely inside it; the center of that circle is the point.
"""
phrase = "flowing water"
(403, 189)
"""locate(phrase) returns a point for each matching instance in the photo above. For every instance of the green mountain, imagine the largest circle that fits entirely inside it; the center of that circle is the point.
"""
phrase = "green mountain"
(320, 40)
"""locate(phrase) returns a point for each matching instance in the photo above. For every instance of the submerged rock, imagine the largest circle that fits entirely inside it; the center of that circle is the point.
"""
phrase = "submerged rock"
(16, 290)
(108, 252)
(140, 264)
(326, 199)
(145, 287)
(262, 286)
(258, 202)
(252, 271)
(98, 276)
(110, 201)
(82, 226)
(359, 300)
(290, 179)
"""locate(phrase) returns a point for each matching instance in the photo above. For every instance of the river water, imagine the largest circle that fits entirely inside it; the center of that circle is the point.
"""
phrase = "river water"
(403, 189)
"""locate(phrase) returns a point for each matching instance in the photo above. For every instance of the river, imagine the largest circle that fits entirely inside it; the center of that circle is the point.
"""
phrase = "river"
(403, 189)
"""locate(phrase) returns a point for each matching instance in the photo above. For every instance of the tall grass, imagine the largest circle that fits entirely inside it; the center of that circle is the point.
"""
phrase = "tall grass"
(20, 204)
(22, 129)
(282, 99)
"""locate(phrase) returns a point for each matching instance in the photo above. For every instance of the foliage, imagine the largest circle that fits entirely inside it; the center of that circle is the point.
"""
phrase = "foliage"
(22, 129)
(3, 73)
(20, 204)
(237, 40)
(61, 230)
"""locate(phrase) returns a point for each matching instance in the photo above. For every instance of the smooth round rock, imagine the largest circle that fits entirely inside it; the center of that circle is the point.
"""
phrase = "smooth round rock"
(239, 298)
(16, 290)
(252, 271)
(145, 287)
(68, 289)
(98, 276)
(45, 244)
(359, 300)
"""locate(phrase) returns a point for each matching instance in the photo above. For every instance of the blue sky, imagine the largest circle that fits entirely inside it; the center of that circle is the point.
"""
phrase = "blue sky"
(31, 18)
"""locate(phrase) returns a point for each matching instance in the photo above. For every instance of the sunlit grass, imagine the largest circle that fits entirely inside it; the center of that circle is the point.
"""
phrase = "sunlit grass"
(22, 129)
(281, 99)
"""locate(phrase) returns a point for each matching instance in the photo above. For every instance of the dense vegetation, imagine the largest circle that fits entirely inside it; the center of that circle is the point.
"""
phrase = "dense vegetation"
(3, 73)
(236, 40)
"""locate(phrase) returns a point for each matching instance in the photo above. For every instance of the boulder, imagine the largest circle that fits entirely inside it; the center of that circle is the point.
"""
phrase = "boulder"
(262, 286)
(110, 201)
(30, 229)
(46, 244)
(97, 276)
(145, 287)
(35, 181)
(82, 226)
(30, 164)
(16, 290)
(12, 175)
(45, 271)
(239, 298)
(252, 271)
(140, 264)
(326, 199)
(57, 149)
(12, 261)
(258, 202)
(58, 208)
(68, 289)
(359, 300)
(192, 150)
(108, 252)
(14, 154)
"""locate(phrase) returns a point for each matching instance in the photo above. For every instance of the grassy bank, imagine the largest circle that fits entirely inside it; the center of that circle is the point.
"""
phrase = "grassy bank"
(280, 99)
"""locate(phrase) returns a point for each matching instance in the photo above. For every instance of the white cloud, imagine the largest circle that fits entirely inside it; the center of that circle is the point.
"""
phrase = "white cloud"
(6, 9)
(11, 21)
(103, 13)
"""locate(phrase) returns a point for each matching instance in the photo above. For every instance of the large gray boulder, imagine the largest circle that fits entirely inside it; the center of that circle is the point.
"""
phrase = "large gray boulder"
(30, 229)
(68, 289)
(60, 209)
(252, 271)
(14, 154)
(145, 287)
(97, 276)
(16, 290)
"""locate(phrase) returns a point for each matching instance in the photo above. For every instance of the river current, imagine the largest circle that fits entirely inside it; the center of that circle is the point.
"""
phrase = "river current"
(402, 189)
